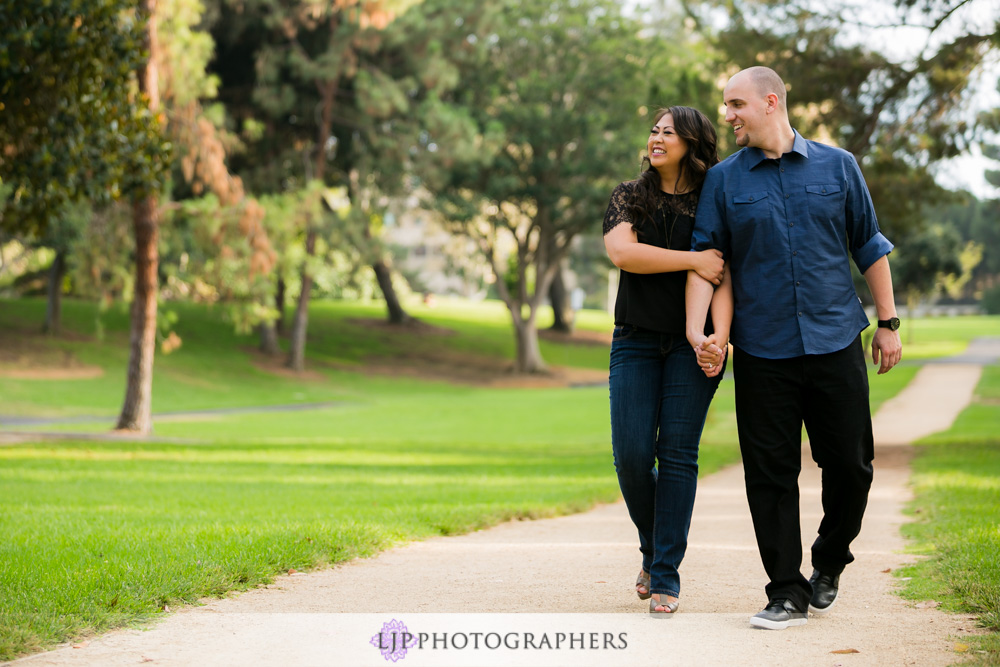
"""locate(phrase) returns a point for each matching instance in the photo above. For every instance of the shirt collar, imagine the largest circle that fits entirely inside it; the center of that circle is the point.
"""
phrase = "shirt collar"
(756, 155)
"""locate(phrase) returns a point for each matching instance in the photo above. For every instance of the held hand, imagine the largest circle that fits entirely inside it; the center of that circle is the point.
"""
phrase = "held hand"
(696, 338)
(709, 265)
(711, 353)
(886, 344)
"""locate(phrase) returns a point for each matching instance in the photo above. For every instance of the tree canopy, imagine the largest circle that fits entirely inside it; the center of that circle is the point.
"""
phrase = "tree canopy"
(72, 122)
(899, 113)
(550, 117)
(512, 120)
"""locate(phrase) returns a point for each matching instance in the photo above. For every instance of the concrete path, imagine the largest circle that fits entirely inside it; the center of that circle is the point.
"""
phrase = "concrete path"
(569, 580)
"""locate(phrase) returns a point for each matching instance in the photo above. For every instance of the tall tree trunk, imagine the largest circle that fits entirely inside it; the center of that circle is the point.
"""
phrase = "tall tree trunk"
(529, 354)
(279, 305)
(562, 314)
(384, 277)
(137, 408)
(297, 346)
(268, 339)
(53, 309)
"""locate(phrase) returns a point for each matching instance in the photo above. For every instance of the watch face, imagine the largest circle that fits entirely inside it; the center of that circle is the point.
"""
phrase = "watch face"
(893, 323)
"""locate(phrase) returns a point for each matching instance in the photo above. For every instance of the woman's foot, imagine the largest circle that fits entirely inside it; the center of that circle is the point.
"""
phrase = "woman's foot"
(663, 605)
(642, 585)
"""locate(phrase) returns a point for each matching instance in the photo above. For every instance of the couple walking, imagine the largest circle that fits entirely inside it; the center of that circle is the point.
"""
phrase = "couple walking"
(755, 249)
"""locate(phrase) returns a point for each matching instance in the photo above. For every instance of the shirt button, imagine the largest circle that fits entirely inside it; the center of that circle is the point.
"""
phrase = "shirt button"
(800, 313)
(797, 283)
(782, 170)
(791, 224)
(751, 198)
(787, 196)
(794, 253)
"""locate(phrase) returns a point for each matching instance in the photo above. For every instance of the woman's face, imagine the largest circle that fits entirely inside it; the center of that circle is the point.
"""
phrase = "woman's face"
(664, 147)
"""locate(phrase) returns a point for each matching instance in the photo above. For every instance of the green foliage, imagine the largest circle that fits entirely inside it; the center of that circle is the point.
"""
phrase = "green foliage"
(335, 76)
(924, 259)
(73, 124)
(549, 117)
(5, 190)
(100, 262)
(975, 221)
(898, 115)
(187, 51)
(991, 300)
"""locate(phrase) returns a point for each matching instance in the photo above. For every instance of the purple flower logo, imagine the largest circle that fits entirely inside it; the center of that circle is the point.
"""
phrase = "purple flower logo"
(393, 640)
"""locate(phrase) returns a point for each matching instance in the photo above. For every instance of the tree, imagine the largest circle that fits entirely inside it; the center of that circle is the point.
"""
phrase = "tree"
(218, 244)
(309, 81)
(73, 129)
(78, 121)
(61, 235)
(136, 412)
(923, 261)
(71, 126)
(546, 121)
(985, 227)
(975, 223)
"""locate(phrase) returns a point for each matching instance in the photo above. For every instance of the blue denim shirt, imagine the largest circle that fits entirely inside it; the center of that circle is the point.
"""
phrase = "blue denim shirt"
(787, 226)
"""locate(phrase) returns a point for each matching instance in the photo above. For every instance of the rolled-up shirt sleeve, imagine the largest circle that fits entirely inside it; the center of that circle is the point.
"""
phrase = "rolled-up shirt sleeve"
(710, 231)
(867, 242)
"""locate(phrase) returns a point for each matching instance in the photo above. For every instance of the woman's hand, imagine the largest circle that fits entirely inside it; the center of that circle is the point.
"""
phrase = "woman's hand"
(709, 265)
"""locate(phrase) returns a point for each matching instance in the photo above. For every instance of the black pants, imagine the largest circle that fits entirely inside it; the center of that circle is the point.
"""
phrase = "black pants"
(774, 397)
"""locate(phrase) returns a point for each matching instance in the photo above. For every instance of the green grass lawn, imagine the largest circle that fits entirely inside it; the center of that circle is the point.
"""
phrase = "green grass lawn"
(103, 534)
(957, 518)
(929, 337)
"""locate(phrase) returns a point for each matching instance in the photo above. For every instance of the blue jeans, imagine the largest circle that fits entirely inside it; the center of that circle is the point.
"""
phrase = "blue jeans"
(659, 400)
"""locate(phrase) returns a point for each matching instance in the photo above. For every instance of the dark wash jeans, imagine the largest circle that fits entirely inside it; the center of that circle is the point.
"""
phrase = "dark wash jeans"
(774, 397)
(659, 400)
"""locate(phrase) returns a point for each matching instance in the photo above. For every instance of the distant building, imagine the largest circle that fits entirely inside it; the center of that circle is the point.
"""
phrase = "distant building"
(433, 260)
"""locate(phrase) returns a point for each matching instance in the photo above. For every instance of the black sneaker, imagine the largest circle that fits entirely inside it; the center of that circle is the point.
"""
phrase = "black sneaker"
(778, 615)
(824, 592)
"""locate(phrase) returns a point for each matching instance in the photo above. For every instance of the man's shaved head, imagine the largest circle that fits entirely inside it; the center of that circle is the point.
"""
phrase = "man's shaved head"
(766, 81)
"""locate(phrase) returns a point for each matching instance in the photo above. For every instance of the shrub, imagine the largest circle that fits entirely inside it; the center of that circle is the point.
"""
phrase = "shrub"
(991, 300)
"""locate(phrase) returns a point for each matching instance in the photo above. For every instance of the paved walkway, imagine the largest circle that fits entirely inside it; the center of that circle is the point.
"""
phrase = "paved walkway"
(576, 572)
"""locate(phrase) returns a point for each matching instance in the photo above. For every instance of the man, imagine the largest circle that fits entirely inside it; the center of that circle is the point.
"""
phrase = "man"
(787, 213)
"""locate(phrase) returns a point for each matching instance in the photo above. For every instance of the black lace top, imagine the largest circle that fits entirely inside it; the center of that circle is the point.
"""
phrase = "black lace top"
(654, 301)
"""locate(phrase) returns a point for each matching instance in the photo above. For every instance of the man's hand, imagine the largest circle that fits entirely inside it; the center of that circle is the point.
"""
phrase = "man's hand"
(710, 353)
(886, 344)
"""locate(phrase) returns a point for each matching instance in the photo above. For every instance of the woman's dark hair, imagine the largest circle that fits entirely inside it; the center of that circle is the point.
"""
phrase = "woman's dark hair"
(698, 133)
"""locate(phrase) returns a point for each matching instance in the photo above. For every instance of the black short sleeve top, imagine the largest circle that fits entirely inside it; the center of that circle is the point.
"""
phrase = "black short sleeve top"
(654, 301)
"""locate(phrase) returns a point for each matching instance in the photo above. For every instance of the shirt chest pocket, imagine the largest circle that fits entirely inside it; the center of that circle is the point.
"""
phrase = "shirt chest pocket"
(826, 201)
(748, 211)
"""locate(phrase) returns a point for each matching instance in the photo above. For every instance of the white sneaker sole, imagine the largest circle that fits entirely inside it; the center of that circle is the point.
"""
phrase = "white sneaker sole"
(766, 624)
(820, 612)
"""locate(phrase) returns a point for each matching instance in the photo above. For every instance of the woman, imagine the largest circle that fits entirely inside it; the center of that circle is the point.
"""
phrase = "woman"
(659, 392)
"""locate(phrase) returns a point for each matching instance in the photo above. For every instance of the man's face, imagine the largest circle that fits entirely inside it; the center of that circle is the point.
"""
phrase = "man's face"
(745, 111)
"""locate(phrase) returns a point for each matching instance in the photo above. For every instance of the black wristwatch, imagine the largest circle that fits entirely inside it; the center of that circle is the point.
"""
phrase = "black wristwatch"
(891, 324)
